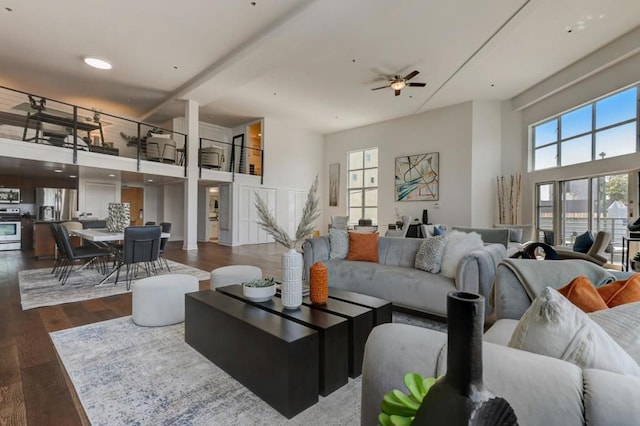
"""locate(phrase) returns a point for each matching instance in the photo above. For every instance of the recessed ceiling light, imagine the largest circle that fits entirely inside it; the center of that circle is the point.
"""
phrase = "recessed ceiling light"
(72, 176)
(58, 171)
(149, 180)
(112, 175)
(97, 63)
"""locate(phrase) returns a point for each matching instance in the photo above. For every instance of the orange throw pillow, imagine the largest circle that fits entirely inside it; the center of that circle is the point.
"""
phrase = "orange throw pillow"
(583, 294)
(621, 292)
(363, 247)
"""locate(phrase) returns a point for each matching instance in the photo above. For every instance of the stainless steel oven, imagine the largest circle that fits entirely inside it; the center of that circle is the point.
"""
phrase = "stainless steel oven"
(10, 229)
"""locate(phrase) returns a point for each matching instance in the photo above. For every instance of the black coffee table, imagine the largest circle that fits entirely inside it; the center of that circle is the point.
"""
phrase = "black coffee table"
(340, 329)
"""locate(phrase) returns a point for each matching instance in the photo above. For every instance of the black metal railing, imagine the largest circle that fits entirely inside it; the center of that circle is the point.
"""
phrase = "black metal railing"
(231, 157)
(33, 118)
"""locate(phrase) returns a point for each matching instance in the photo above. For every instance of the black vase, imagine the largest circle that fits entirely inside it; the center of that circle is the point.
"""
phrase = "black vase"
(460, 398)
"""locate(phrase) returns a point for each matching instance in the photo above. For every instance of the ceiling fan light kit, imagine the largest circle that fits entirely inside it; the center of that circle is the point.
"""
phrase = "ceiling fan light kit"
(397, 83)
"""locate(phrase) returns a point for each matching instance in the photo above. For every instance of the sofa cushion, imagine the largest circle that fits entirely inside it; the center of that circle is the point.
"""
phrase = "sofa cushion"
(582, 293)
(438, 230)
(583, 242)
(339, 243)
(363, 247)
(621, 292)
(515, 235)
(555, 327)
(429, 255)
(458, 245)
(621, 323)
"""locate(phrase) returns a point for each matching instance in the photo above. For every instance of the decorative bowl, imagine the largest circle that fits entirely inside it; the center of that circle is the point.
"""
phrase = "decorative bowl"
(258, 294)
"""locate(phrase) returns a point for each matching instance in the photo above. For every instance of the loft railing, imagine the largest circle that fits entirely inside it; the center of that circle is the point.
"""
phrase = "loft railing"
(36, 119)
(231, 157)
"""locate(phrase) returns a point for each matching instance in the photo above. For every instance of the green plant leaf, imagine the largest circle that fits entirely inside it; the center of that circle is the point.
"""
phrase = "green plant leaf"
(391, 405)
(404, 399)
(384, 420)
(401, 420)
(414, 383)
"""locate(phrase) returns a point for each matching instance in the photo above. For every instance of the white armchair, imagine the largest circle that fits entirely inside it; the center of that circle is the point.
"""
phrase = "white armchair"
(212, 157)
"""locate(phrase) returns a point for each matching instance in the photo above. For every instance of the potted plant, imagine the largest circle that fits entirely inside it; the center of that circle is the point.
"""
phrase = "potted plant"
(291, 260)
(259, 290)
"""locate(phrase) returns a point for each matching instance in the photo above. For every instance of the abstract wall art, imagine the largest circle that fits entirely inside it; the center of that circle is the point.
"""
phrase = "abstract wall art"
(417, 177)
(334, 184)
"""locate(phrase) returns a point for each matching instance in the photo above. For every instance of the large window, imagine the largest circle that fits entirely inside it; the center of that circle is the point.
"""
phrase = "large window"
(602, 129)
(544, 212)
(363, 185)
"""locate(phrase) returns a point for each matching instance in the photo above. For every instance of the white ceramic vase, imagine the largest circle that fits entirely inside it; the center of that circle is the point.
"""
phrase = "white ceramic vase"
(291, 279)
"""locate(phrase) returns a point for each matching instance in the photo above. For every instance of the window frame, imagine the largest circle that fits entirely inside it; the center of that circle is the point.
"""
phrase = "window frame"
(592, 132)
(364, 187)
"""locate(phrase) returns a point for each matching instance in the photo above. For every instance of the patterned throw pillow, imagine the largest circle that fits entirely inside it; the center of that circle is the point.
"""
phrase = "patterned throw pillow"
(339, 243)
(429, 255)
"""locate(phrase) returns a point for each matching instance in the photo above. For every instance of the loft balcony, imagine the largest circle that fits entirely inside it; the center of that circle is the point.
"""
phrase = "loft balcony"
(37, 128)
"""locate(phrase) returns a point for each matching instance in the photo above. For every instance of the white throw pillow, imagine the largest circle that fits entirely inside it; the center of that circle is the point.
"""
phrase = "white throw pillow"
(459, 244)
(429, 255)
(555, 327)
(622, 323)
(338, 243)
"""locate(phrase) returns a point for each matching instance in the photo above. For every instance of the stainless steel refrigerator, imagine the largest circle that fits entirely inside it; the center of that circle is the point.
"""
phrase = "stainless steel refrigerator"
(56, 203)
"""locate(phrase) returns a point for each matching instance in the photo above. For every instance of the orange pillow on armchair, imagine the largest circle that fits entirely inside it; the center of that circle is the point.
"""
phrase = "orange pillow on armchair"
(363, 247)
(583, 294)
(621, 292)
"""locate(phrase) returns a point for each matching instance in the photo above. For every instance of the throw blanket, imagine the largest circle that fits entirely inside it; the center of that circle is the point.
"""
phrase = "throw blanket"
(535, 275)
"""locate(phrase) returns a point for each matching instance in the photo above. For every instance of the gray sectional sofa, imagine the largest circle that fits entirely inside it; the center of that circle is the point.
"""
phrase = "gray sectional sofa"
(394, 278)
(542, 390)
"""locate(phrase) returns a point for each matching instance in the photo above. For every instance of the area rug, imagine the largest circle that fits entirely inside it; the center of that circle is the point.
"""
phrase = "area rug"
(125, 374)
(38, 287)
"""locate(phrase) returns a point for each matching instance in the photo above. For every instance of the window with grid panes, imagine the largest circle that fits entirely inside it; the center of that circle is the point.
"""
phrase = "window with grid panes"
(363, 185)
(601, 129)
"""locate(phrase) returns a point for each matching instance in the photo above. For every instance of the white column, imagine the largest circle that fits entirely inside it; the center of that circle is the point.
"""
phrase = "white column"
(191, 184)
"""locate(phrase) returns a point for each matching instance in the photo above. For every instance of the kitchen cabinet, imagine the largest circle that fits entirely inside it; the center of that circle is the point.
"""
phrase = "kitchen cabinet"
(27, 234)
(43, 243)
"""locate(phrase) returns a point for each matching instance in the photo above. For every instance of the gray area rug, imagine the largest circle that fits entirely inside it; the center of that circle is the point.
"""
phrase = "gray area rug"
(125, 374)
(38, 287)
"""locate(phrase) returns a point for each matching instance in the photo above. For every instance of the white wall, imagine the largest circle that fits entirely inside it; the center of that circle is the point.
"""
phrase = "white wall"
(485, 161)
(173, 209)
(445, 130)
(151, 204)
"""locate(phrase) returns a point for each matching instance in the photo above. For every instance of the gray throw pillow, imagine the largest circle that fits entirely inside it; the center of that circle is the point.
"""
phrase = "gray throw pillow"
(515, 235)
(339, 243)
(429, 255)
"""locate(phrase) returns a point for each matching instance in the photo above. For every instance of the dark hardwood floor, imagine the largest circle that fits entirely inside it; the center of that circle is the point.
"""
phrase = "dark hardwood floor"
(33, 387)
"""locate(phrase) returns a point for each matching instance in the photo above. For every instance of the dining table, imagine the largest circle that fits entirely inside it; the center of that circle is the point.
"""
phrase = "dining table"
(104, 238)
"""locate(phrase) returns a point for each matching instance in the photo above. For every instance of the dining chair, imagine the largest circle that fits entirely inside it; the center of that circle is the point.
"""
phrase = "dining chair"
(73, 254)
(166, 227)
(141, 246)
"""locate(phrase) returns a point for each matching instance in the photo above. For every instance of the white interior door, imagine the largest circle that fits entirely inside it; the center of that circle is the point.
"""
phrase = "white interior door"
(296, 205)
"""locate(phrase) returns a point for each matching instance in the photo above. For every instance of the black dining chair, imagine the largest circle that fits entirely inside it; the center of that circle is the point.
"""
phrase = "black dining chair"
(73, 254)
(141, 247)
(166, 227)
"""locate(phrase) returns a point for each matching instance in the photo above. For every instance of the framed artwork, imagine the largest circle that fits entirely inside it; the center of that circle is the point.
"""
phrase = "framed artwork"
(417, 177)
(334, 184)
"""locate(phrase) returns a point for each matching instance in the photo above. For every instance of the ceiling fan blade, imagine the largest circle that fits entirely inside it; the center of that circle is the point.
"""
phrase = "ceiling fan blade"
(397, 92)
(416, 84)
(411, 75)
(382, 87)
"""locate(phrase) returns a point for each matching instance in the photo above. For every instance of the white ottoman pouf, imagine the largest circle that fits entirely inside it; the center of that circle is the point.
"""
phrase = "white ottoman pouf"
(234, 274)
(159, 300)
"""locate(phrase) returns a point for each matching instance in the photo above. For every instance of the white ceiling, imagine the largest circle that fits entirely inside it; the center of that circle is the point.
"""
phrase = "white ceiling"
(310, 61)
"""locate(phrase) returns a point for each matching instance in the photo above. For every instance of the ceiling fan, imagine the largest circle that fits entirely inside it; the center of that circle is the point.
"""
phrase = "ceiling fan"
(397, 83)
